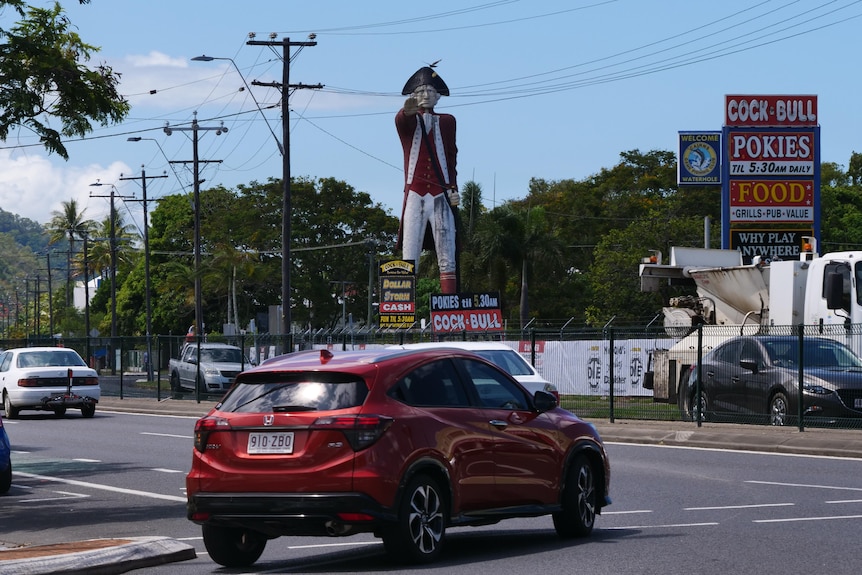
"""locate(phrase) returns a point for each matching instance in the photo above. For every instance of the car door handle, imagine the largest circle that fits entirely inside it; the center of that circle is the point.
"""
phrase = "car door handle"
(499, 423)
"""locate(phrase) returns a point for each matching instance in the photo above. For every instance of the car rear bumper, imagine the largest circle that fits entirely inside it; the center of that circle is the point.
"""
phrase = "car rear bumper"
(35, 397)
(302, 514)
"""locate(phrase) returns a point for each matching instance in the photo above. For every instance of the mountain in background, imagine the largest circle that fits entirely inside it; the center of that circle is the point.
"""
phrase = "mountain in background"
(24, 231)
(20, 240)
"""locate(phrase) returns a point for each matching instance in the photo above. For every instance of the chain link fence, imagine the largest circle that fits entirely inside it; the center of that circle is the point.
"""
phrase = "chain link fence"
(709, 373)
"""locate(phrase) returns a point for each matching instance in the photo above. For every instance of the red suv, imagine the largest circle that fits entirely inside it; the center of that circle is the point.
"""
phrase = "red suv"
(399, 443)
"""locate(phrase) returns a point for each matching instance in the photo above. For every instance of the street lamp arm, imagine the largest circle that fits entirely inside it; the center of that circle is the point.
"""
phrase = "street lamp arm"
(205, 58)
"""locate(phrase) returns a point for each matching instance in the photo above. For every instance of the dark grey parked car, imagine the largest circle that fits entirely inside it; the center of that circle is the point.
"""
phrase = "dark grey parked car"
(759, 376)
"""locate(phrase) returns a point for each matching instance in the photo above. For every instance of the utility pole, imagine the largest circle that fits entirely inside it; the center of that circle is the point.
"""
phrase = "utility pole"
(196, 162)
(143, 178)
(50, 293)
(285, 87)
(113, 240)
(87, 296)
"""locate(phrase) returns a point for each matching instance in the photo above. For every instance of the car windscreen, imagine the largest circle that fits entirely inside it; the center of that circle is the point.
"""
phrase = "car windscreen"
(817, 353)
(507, 359)
(311, 391)
(222, 356)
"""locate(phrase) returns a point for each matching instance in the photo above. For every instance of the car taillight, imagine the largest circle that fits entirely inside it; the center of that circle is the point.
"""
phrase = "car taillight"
(360, 430)
(25, 382)
(205, 426)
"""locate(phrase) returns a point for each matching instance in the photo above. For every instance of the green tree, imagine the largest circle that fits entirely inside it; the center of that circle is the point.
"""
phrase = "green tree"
(44, 75)
(521, 237)
(241, 263)
(69, 222)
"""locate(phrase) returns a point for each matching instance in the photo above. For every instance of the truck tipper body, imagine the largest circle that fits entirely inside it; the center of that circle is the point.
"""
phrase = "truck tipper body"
(824, 292)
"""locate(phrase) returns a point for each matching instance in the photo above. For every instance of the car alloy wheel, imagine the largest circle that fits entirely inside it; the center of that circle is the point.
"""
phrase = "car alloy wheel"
(11, 410)
(778, 409)
(420, 531)
(579, 501)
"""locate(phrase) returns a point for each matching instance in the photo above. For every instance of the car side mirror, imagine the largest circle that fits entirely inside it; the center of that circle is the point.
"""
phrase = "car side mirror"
(544, 401)
(749, 364)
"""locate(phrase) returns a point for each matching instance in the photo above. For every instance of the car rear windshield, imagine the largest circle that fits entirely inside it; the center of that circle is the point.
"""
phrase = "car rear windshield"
(286, 392)
(51, 358)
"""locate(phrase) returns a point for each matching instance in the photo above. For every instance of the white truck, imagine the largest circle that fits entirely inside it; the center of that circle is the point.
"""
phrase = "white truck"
(761, 297)
(220, 363)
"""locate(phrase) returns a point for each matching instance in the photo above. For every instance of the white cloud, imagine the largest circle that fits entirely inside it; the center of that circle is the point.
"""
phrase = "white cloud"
(155, 58)
(32, 186)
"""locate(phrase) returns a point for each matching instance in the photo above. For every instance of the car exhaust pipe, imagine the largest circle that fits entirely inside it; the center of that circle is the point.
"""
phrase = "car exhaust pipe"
(337, 529)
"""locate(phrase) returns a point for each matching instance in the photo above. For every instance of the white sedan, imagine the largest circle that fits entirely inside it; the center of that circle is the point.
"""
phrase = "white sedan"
(502, 356)
(47, 378)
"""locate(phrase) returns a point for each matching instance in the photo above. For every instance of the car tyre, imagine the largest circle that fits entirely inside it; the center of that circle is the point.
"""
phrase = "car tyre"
(11, 410)
(420, 531)
(778, 409)
(88, 410)
(6, 479)
(233, 547)
(699, 402)
(579, 498)
(59, 411)
(176, 390)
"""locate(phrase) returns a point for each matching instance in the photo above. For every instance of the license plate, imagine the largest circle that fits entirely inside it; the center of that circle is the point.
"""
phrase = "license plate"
(275, 442)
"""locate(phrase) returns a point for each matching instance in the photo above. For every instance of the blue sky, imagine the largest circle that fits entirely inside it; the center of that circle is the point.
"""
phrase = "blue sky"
(550, 89)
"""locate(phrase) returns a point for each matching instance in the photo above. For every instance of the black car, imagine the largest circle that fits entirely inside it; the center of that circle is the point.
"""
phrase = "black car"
(759, 376)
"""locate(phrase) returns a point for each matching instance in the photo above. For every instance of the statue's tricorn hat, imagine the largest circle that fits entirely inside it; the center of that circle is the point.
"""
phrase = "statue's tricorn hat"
(425, 76)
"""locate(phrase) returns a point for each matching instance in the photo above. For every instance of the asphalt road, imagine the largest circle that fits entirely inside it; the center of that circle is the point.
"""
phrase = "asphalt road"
(676, 509)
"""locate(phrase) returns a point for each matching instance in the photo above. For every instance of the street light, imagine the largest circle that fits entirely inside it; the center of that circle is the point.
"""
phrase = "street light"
(205, 58)
(195, 128)
(164, 155)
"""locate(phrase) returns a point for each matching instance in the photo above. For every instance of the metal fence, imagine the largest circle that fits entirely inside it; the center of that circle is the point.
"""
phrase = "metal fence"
(647, 373)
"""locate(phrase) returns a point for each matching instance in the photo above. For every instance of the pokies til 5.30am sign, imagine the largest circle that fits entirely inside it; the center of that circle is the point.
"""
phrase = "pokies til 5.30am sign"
(473, 312)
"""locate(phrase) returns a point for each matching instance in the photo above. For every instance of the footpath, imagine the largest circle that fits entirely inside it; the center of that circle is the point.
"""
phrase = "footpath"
(108, 556)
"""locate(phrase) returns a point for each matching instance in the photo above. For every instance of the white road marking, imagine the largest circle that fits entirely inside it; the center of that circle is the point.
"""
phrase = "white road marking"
(104, 487)
(846, 501)
(195, 417)
(726, 450)
(752, 506)
(792, 519)
(81, 459)
(68, 494)
(626, 512)
(167, 435)
(163, 470)
(669, 525)
(805, 485)
(320, 545)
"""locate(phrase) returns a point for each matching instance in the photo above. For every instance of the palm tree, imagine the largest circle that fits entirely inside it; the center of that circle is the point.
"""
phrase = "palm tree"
(521, 237)
(69, 223)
